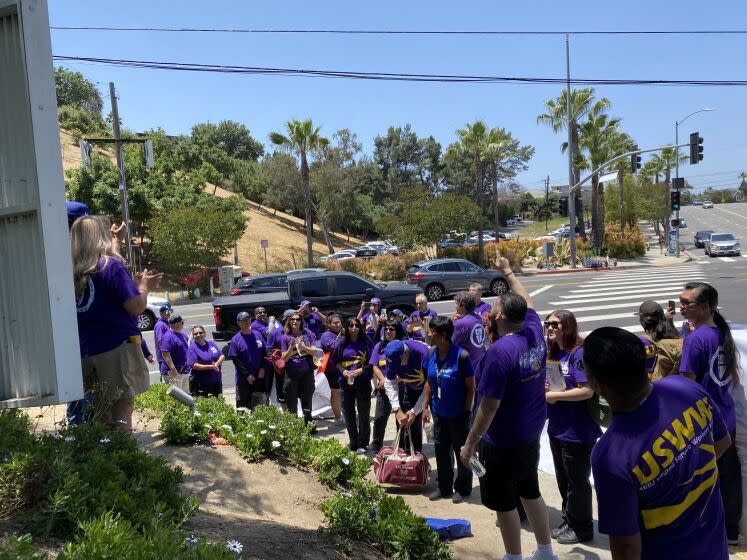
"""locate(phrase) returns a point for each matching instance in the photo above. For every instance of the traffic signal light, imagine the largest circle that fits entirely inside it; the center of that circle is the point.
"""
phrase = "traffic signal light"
(563, 206)
(696, 148)
(635, 161)
(675, 200)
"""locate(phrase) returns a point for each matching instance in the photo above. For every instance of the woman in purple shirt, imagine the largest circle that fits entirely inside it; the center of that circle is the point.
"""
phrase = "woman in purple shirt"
(108, 303)
(174, 352)
(350, 359)
(297, 345)
(392, 330)
(709, 357)
(328, 341)
(205, 359)
(572, 431)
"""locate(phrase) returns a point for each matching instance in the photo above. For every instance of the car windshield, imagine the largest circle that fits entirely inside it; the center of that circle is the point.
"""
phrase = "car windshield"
(705, 233)
(722, 237)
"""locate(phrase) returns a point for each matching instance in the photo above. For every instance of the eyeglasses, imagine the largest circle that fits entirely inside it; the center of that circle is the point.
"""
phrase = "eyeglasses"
(389, 329)
(685, 302)
(552, 324)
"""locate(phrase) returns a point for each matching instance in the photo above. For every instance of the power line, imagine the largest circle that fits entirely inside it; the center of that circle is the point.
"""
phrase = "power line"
(393, 32)
(383, 76)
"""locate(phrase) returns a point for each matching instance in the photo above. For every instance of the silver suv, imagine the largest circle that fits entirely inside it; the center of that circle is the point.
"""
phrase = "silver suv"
(441, 277)
(722, 244)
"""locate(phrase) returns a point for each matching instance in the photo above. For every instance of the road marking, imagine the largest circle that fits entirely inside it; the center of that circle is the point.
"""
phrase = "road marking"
(653, 272)
(592, 318)
(542, 289)
(730, 212)
(631, 328)
(650, 276)
(630, 293)
(641, 282)
(641, 288)
(726, 259)
(195, 316)
(633, 305)
(745, 256)
(619, 298)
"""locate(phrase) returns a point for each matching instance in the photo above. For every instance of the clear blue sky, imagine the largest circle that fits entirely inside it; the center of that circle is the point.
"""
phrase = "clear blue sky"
(175, 101)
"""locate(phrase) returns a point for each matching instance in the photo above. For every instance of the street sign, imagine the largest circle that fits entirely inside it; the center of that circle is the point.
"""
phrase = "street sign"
(672, 241)
(264, 243)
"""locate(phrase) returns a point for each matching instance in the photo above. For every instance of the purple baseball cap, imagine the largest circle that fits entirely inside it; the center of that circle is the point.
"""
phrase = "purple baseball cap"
(375, 301)
(304, 303)
(393, 352)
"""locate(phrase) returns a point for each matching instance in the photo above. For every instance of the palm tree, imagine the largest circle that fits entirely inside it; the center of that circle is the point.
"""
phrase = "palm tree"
(557, 116)
(301, 139)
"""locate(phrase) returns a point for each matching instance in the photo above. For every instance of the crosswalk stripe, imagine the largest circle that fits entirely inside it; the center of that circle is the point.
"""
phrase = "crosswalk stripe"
(631, 328)
(645, 274)
(638, 284)
(593, 318)
(726, 259)
(631, 304)
(618, 298)
(638, 278)
(613, 291)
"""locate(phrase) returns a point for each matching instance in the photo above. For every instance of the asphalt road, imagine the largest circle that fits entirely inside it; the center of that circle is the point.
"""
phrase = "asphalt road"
(722, 218)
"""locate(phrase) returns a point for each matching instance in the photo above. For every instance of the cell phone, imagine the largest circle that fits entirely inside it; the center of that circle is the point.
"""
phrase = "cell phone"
(670, 303)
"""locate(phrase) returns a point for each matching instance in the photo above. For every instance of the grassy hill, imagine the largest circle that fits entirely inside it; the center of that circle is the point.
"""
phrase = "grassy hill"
(286, 233)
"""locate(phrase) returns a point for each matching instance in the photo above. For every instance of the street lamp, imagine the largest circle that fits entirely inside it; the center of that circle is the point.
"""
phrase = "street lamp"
(677, 163)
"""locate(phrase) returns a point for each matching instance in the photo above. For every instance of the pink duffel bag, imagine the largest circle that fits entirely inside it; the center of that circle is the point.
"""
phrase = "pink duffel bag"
(393, 465)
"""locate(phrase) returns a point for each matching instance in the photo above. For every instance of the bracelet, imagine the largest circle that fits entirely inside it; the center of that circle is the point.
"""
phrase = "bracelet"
(509, 274)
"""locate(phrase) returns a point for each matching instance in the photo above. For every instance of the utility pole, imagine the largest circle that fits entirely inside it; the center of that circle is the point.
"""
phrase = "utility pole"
(571, 175)
(119, 149)
(622, 204)
(547, 201)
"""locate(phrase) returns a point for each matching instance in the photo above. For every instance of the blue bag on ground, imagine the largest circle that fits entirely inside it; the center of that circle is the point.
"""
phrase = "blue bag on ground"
(450, 528)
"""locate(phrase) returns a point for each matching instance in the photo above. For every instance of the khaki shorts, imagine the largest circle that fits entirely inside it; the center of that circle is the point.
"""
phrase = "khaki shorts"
(116, 374)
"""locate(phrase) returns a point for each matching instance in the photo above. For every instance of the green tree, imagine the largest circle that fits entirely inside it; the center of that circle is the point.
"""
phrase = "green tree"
(404, 159)
(75, 90)
(284, 190)
(302, 139)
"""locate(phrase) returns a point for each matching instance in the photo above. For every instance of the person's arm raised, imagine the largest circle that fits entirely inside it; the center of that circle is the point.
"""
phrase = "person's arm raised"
(504, 267)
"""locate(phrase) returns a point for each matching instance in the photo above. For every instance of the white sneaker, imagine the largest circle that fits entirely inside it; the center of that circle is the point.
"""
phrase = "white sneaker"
(542, 556)
(361, 451)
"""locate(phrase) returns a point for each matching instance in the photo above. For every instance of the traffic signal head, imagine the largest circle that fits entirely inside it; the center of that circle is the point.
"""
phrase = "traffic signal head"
(696, 148)
(635, 161)
(563, 206)
(675, 200)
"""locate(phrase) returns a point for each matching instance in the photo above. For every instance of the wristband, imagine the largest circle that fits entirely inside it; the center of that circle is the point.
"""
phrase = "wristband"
(509, 274)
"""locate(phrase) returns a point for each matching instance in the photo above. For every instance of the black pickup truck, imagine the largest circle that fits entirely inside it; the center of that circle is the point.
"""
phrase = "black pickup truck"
(330, 291)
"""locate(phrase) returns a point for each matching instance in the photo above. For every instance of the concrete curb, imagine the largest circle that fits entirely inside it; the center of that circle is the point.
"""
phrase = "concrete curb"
(690, 258)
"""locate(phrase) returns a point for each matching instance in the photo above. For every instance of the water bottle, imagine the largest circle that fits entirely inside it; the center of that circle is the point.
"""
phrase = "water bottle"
(477, 466)
(351, 380)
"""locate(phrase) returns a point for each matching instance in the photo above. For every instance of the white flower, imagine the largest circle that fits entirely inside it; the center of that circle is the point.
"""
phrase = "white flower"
(263, 432)
(105, 440)
(226, 427)
(210, 414)
(260, 421)
(56, 435)
(197, 414)
(121, 421)
(191, 539)
(272, 426)
(276, 444)
(235, 546)
(6, 459)
(250, 435)
(345, 461)
(69, 438)
(208, 426)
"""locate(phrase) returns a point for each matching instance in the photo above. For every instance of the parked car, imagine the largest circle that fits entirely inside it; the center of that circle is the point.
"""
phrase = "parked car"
(683, 223)
(328, 290)
(260, 284)
(147, 319)
(722, 244)
(697, 203)
(701, 237)
(707, 204)
(192, 279)
(441, 277)
(382, 247)
(364, 253)
(510, 222)
(340, 255)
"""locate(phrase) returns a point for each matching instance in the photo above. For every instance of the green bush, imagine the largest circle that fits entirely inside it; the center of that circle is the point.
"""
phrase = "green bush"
(15, 431)
(386, 522)
(154, 399)
(19, 548)
(618, 248)
(65, 478)
(79, 122)
(336, 465)
(111, 537)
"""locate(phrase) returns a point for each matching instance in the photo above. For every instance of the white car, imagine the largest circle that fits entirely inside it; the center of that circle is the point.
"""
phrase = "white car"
(707, 204)
(147, 319)
(339, 256)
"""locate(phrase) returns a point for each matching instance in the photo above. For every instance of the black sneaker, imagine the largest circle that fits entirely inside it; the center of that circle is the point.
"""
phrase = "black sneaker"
(569, 536)
(555, 533)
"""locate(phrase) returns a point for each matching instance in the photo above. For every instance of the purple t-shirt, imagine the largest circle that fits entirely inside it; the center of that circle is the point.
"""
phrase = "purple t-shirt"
(350, 356)
(162, 325)
(314, 323)
(328, 340)
(483, 309)
(175, 343)
(650, 355)
(251, 352)
(570, 421)
(367, 322)
(703, 356)
(273, 341)
(295, 362)
(260, 327)
(103, 324)
(206, 354)
(469, 335)
(513, 371)
(655, 474)
(416, 329)
(414, 374)
(378, 358)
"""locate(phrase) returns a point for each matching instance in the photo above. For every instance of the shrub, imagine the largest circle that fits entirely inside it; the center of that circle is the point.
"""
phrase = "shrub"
(154, 399)
(624, 248)
(337, 465)
(367, 514)
(386, 267)
(79, 473)
(15, 431)
(79, 122)
(110, 536)
(19, 548)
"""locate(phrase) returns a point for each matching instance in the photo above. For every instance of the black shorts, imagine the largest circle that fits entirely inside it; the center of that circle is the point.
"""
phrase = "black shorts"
(333, 377)
(510, 474)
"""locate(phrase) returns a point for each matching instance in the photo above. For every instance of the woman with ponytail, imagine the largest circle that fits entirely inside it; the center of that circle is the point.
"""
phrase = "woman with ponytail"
(709, 357)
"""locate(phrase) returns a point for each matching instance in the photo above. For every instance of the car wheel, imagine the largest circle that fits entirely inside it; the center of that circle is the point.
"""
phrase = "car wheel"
(146, 320)
(498, 286)
(435, 292)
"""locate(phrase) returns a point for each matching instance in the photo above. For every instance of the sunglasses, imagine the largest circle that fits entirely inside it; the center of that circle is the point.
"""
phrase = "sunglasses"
(389, 329)
(552, 324)
(352, 326)
(295, 319)
(685, 302)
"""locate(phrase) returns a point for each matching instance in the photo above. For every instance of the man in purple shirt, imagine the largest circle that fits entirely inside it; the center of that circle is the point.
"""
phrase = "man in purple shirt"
(370, 318)
(709, 357)
(654, 468)
(249, 354)
(417, 327)
(174, 345)
(469, 330)
(160, 328)
(261, 322)
(482, 308)
(511, 416)
(312, 318)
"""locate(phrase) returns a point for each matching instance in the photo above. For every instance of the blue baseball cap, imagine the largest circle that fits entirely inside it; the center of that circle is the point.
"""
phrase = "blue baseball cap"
(165, 307)
(393, 352)
(304, 303)
(75, 210)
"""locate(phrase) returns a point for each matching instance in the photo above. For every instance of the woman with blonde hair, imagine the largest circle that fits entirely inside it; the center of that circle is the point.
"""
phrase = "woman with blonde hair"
(108, 302)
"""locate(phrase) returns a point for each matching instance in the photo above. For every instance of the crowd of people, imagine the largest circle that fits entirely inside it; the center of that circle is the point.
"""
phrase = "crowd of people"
(666, 471)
